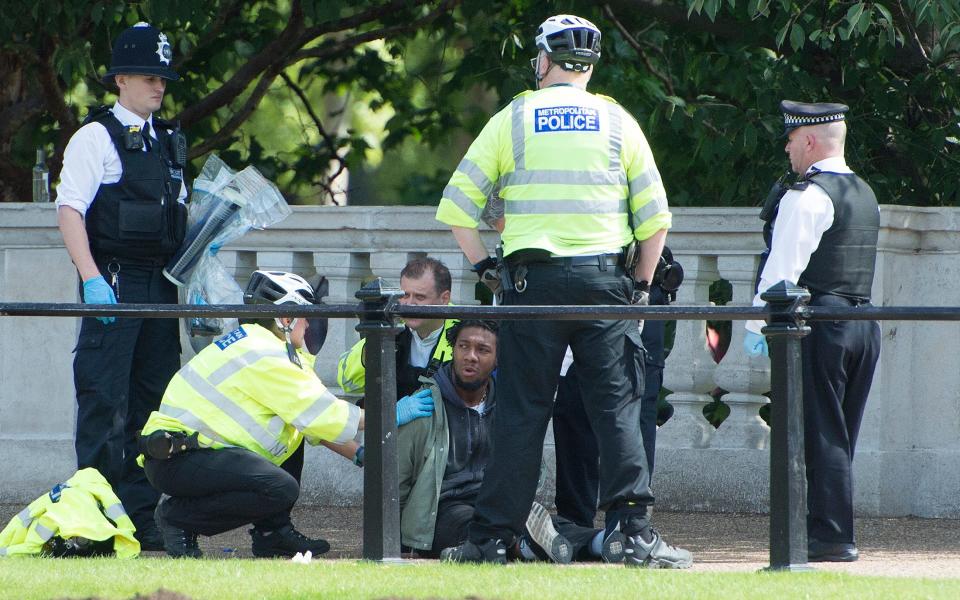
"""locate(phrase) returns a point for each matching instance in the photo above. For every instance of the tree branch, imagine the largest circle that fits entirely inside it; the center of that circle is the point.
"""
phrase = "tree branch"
(226, 14)
(272, 54)
(15, 183)
(328, 140)
(907, 59)
(675, 14)
(13, 116)
(54, 93)
(362, 18)
(334, 48)
(239, 116)
(639, 49)
(913, 32)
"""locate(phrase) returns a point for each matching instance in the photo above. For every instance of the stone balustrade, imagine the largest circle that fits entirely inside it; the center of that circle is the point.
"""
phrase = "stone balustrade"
(908, 459)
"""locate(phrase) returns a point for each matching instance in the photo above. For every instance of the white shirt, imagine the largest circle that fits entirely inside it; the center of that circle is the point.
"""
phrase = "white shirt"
(91, 159)
(420, 350)
(803, 218)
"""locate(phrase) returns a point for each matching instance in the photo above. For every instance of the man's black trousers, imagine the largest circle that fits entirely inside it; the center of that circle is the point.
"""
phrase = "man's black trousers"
(212, 491)
(530, 353)
(120, 371)
(839, 358)
(577, 454)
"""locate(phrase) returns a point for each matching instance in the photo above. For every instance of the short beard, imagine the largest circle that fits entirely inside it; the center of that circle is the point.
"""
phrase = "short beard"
(470, 386)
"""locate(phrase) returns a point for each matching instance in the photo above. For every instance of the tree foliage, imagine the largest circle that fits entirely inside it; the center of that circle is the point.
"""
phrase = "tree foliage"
(396, 89)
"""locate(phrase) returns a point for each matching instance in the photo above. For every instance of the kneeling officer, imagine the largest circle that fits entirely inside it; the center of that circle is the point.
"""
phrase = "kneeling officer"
(226, 448)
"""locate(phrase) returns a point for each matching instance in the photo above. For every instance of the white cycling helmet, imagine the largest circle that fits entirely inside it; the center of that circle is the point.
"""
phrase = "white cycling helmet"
(570, 41)
(278, 287)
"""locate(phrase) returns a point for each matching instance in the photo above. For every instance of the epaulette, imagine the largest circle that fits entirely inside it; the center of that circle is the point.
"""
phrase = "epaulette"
(164, 123)
(524, 93)
(801, 185)
(96, 113)
(607, 98)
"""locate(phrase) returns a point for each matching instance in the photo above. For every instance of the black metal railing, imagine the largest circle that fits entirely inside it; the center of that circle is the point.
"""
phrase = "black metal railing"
(379, 310)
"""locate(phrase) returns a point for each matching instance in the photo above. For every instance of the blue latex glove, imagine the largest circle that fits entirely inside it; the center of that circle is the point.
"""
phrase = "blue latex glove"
(414, 406)
(96, 290)
(214, 248)
(755, 344)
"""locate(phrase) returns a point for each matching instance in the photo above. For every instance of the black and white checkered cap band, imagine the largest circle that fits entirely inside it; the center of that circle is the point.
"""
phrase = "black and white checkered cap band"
(801, 120)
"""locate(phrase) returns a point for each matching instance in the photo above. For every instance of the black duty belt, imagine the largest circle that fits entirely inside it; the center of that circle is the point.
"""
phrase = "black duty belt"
(596, 260)
(528, 257)
(851, 300)
(147, 263)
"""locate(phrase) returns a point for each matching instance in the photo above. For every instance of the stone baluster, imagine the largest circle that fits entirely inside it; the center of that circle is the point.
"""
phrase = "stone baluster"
(464, 280)
(689, 368)
(344, 272)
(745, 378)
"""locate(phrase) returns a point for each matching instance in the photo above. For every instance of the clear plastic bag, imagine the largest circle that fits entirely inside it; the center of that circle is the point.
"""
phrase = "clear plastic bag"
(212, 284)
(224, 206)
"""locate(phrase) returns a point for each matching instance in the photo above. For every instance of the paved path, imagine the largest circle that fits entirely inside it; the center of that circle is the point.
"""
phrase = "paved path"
(720, 541)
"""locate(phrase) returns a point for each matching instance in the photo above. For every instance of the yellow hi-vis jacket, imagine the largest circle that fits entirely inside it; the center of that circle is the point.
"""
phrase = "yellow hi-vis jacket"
(84, 506)
(574, 170)
(243, 391)
(352, 372)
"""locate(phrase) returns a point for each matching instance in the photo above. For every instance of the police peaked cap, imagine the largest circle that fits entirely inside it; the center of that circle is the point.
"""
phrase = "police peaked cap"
(141, 50)
(798, 114)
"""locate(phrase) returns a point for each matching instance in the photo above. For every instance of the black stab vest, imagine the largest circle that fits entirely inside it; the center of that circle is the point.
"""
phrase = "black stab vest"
(408, 376)
(844, 262)
(137, 219)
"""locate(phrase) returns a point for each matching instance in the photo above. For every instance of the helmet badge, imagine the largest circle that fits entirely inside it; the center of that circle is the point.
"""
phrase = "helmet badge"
(163, 49)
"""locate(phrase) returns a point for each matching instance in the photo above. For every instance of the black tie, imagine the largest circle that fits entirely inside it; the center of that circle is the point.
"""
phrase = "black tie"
(145, 133)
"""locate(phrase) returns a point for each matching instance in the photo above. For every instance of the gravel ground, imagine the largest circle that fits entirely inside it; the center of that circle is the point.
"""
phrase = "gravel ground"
(908, 547)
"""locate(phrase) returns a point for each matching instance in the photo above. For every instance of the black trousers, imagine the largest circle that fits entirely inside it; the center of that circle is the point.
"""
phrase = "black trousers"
(212, 491)
(577, 453)
(453, 517)
(120, 371)
(839, 358)
(529, 357)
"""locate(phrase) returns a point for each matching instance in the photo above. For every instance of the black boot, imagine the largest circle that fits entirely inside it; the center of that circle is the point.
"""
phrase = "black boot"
(491, 551)
(285, 542)
(177, 542)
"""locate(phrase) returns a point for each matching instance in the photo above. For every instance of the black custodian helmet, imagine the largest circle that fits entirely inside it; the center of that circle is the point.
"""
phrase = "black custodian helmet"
(141, 50)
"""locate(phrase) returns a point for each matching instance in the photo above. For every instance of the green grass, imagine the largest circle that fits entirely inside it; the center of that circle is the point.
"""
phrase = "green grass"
(26, 578)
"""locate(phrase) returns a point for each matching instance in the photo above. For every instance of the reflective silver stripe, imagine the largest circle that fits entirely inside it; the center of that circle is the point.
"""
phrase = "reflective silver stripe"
(551, 207)
(240, 362)
(275, 427)
(456, 195)
(3, 551)
(643, 181)
(476, 175)
(192, 421)
(203, 387)
(564, 177)
(115, 511)
(648, 210)
(616, 136)
(25, 517)
(350, 387)
(45, 533)
(350, 429)
(310, 414)
(516, 134)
